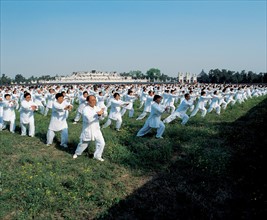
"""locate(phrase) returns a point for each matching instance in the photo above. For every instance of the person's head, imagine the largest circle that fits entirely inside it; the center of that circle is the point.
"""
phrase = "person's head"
(27, 96)
(150, 93)
(130, 92)
(157, 99)
(100, 93)
(215, 92)
(203, 93)
(59, 97)
(7, 96)
(85, 94)
(116, 96)
(187, 96)
(51, 90)
(91, 99)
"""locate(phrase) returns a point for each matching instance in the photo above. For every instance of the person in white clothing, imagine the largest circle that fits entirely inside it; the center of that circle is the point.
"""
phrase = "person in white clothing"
(202, 101)
(115, 111)
(39, 99)
(27, 115)
(215, 103)
(170, 98)
(58, 120)
(130, 97)
(148, 104)
(181, 111)
(91, 129)
(50, 98)
(101, 100)
(82, 104)
(143, 97)
(154, 119)
(9, 115)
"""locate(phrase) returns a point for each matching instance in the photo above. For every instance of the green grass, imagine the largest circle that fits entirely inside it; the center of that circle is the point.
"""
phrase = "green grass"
(46, 183)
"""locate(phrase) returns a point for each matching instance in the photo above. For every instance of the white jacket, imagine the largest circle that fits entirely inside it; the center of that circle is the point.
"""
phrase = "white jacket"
(91, 129)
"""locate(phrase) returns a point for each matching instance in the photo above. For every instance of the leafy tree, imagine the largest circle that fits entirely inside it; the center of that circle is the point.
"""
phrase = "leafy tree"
(153, 74)
(19, 78)
(5, 80)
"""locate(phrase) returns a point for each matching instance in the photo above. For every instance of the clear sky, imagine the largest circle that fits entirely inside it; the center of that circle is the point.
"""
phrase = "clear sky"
(60, 37)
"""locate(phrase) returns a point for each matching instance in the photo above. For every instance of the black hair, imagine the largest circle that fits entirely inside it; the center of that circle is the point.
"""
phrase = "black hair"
(186, 95)
(59, 95)
(7, 95)
(88, 97)
(116, 94)
(26, 94)
(156, 97)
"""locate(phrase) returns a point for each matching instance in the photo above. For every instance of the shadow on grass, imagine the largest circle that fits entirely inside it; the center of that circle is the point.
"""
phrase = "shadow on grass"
(186, 190)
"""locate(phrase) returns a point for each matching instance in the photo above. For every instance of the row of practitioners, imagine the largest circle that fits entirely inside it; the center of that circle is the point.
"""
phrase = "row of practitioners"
(91, 115)
(210, 98)
(189, 101)
(45, 96)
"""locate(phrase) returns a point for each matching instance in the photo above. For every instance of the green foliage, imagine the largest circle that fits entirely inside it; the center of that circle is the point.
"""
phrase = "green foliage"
(5, 80)
(228, 76)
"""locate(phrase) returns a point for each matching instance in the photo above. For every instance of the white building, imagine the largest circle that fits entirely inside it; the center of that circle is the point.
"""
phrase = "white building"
(95, 77)
(187, 77)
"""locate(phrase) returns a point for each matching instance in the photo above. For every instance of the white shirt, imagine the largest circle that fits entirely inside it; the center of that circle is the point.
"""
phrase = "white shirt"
(26, 112)
(58, 118)
(91, 127)
(154, 118)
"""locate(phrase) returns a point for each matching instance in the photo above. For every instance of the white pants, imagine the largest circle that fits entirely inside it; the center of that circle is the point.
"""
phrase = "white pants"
(131, 112)
(140, 117)
(146, 128)
(77, 117)
(217, 108)
(174, 115)
(51, 134)
(31, 129)
(12, 125)
(203, 111)
(46, 111)
(118, 123)
(99, 147)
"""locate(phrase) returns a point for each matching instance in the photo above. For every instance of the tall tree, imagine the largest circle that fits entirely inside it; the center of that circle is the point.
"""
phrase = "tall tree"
(153, 74)
(5, 80)
(19, 78)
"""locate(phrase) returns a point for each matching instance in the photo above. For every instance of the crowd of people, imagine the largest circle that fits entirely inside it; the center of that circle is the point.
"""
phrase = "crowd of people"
(110, 103)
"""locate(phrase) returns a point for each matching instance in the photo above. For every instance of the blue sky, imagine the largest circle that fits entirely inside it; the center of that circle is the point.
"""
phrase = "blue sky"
(60, 37)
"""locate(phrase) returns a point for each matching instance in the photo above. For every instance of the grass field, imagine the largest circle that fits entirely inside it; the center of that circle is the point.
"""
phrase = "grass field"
(212, 168)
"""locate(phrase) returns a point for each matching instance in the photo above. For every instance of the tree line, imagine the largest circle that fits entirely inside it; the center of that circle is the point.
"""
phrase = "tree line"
(155, 75)
(228, 76)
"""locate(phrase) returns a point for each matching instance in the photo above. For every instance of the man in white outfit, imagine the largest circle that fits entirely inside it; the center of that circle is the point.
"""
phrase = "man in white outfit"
(154, 119)
(115, 111)
(148, 104)
(50, 99)
(130, 97)
(203, 99)
(91, 129)
(9, 115)
(27, 115)
(58, 120)
(82, 104)
(181, 111)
